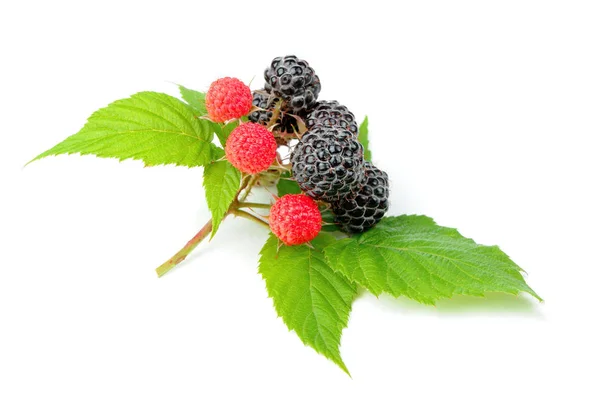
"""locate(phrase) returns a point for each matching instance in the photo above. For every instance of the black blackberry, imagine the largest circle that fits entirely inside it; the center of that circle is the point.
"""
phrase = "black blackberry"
(294, 81)
(328, 163)
(265, 101)
(358, 213)
(261, 99)
(332, 113)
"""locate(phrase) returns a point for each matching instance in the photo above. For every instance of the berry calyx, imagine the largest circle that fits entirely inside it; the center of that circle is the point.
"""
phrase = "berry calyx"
(265, 104)
(295, 219)
(251, 148)
(228, 98)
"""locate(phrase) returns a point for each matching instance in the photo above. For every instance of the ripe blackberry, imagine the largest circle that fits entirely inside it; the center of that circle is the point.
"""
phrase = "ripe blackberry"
(294, 81)
(332, 113)
(358, 213)
(328, 163)
(268, 102)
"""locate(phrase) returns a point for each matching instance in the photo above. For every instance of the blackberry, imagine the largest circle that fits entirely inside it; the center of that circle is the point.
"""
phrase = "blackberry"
(332, 113)
(358, 213)
(294, 81)
(328, 163)
(268, 102)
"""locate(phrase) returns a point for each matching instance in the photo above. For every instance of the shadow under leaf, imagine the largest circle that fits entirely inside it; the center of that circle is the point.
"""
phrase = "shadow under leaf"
(491, 303)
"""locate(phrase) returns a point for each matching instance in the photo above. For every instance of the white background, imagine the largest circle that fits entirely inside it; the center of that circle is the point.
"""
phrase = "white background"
(485, 115)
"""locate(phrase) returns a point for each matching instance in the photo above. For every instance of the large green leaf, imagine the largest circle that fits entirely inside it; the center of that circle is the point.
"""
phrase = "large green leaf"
(221, 183)
(363, 137)
(153, 127)
(195, 99)
(311, 299)
(414, 257)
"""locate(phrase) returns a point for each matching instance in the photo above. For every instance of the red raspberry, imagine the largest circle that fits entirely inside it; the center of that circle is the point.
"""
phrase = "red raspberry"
(295, 219)
(251, 148)
(228, 98)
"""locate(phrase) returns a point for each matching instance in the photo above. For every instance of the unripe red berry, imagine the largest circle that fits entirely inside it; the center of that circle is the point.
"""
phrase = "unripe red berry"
(228, 98)
(295, 219)
(251, 148)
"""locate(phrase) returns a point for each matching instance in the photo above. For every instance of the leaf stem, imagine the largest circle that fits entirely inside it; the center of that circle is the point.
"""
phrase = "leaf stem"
(185, 251)
(253, 205)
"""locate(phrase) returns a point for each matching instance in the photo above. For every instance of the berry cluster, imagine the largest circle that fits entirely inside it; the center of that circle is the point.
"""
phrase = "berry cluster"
(327, 162)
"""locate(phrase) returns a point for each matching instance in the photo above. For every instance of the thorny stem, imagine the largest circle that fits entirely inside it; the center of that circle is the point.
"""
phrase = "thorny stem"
(185, 251)
(247, 184)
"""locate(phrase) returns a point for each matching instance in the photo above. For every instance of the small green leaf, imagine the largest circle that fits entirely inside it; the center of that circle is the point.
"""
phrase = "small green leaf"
(223, 131)
(311, 299)
(363, 137)
(287, 186)
(414, 257)
(221, 183)
(195, 99)
(153, 127)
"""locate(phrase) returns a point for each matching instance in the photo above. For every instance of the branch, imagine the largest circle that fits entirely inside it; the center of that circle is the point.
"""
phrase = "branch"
(185, 251)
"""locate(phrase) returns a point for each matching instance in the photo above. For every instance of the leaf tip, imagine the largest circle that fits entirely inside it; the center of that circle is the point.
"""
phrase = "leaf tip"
(42, 155)
(535, 295)
(344, 369)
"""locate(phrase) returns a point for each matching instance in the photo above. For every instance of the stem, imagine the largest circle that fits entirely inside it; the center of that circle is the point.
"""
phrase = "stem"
(245, 181)
(249, 186)
(185, 251)
(249, 216)
(253, 205)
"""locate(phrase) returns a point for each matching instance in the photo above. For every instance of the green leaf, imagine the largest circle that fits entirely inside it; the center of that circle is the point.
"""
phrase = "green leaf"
(414, 257)
(221, 183)
(195, 99)
(363, 137)
(287, 186)
(153, 127)
(223, 131)
(311, 299)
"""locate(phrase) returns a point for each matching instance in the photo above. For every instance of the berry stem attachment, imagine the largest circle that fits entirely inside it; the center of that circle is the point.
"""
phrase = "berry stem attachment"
(249, 216)
(185, 251)
(254, 205)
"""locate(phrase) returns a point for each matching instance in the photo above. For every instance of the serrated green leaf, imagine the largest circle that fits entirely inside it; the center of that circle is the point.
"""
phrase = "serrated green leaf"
(223, 131)
(195, 99)
(414, 257)
(287, 186)
(218, 154)
(363, 137)
(311, 299)
(221, 183)
(153, 127)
